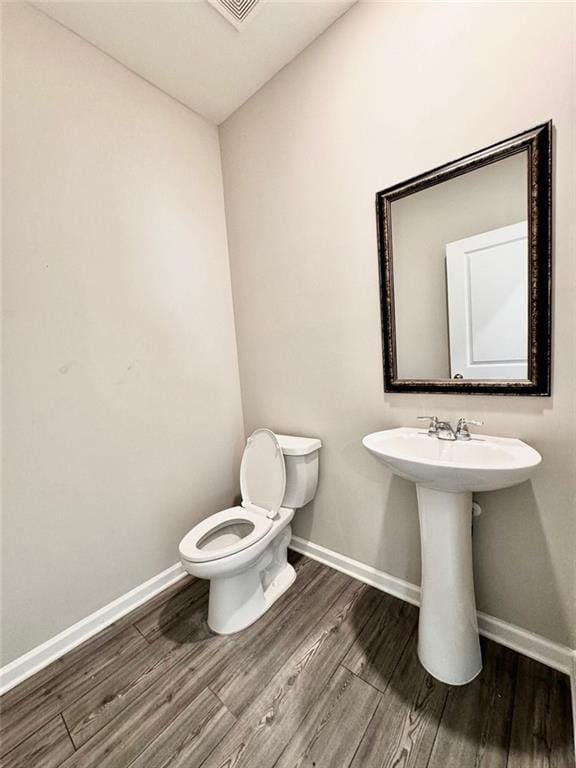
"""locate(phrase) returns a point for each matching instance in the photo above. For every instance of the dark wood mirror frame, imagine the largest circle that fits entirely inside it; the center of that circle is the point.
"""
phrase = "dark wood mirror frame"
(537, 142)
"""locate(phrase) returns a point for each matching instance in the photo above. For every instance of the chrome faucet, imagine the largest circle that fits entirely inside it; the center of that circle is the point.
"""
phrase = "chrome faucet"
(440, 429)
(462, 431)
(433, 426)
(443, 429)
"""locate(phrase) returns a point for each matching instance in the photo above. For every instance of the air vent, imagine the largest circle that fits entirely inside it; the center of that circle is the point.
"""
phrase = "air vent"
(237, 12)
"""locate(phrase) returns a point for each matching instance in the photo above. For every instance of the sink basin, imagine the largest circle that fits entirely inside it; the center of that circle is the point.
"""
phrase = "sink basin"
(446, 474)
(481, 464)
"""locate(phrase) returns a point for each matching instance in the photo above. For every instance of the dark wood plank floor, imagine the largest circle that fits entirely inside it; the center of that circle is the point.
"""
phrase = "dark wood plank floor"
(328, 678)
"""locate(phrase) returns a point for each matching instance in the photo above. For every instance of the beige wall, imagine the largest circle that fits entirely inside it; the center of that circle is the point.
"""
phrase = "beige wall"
(122, 414)
(422, 225)
(389, 91)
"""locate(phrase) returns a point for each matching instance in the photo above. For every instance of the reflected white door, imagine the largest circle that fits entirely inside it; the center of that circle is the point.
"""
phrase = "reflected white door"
(487, 280)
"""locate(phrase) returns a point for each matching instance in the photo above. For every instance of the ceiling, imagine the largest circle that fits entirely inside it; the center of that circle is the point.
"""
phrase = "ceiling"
(192, 52)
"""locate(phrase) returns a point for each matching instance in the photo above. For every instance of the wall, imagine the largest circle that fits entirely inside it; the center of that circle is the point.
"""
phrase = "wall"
(389, 91)
(422, 224)
(122, 413)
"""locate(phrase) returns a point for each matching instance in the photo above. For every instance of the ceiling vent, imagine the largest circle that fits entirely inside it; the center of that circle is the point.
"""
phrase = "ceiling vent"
(237, 12)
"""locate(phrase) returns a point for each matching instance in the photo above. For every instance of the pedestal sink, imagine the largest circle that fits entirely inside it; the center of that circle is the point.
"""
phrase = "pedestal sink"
(446, 474)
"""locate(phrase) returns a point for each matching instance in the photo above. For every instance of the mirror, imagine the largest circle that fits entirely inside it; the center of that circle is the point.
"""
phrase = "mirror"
(465, 254)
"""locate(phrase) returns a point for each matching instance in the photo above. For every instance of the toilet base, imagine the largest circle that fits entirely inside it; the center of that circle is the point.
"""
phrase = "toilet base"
(237, 601)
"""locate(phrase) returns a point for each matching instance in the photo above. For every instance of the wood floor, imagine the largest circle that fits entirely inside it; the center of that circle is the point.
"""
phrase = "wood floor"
(329, 678)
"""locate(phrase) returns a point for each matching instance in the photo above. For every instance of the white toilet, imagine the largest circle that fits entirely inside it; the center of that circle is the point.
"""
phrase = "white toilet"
(242, 550)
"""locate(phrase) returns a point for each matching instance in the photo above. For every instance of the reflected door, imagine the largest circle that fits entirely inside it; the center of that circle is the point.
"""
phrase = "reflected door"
(487, 283)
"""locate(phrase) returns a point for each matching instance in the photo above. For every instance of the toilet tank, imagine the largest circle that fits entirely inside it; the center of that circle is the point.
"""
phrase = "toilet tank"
(301, 460)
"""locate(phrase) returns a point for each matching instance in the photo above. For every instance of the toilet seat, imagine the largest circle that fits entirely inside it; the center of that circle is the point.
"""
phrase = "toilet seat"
(263, 484)
(191, 548)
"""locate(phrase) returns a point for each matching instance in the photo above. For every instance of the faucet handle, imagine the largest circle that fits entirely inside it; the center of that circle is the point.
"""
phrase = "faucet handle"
(462, 431)
(433, 426)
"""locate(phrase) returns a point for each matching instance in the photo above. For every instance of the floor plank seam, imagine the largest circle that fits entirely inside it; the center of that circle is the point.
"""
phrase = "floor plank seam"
(366, 682)
(365, 729)
(74, 651)
(312, 703)
(167, 725)
(222, 703)
(137, 628)
(338, 665)
(360, 741)
(238, 714)
(145, 691)
(318, 622)
(68, 731)
(34, 691)
(97, 682)
(5, 755)
(392, 671)
(29, 734)
(512, 713)
(438, 726)
(229, 706)
(105, 723)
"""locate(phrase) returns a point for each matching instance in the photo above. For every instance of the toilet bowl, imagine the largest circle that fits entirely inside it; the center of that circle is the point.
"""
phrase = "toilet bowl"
(243, 550)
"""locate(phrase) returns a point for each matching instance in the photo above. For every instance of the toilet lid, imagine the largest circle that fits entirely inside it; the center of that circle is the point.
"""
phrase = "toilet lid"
(263, 473)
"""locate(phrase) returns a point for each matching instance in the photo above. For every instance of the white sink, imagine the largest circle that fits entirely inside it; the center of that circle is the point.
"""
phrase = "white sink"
(446, 473)
(481, 464)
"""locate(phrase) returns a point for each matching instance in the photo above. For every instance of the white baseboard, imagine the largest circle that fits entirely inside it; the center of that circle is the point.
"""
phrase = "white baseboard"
(529, 644)
(554, 655)
(366, 573)
(38, 658)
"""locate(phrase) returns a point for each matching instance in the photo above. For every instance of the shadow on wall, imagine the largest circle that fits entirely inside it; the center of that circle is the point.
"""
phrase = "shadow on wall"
(509, 537)
(383, 507)
(392, 530)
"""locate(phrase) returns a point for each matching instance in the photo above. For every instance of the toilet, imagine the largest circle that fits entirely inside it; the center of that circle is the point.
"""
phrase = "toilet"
(243, 550)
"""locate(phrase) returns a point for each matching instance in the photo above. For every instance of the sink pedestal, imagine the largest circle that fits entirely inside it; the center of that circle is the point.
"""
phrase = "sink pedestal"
(448, 642)
(447, 473)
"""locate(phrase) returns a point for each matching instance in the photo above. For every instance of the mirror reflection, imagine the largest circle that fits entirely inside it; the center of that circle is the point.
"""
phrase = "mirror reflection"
(460, 275)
